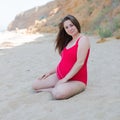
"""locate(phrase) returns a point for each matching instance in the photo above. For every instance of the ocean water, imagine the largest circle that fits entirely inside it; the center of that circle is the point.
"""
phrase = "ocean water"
(15, 38)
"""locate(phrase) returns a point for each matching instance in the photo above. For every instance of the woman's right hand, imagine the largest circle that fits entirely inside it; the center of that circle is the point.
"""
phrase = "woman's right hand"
(44, 76)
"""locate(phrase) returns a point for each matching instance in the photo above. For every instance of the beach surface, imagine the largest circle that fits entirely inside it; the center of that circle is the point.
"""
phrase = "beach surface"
(23, 58)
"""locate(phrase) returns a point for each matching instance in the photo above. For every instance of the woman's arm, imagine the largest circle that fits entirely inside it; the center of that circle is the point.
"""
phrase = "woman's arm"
(83, 46)
(44, 76)
(52, 71)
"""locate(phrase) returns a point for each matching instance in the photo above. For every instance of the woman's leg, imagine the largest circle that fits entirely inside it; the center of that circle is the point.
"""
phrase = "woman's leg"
(68, 89)
(45, 84)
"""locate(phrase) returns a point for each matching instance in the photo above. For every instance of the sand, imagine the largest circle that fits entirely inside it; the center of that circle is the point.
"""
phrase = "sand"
(21, 64)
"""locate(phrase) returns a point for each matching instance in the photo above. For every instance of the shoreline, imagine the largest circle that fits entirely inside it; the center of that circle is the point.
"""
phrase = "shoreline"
(12, 39)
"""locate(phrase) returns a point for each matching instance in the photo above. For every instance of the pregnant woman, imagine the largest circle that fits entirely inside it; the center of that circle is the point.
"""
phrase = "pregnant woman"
(69, 77)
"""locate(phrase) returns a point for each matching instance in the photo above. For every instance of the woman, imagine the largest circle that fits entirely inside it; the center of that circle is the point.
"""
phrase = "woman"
(70, 76)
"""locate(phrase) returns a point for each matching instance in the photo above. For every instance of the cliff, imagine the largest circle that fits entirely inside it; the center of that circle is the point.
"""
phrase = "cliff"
(92, 14)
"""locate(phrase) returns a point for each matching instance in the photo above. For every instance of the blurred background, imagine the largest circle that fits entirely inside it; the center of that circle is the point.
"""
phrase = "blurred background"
(100, 17)
(10, 8)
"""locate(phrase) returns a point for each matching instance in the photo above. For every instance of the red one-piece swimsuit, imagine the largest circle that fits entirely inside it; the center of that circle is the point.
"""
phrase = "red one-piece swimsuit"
(68, 59)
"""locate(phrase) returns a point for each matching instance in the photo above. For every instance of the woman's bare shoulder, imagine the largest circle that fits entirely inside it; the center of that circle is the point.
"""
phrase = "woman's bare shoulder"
(84, 40)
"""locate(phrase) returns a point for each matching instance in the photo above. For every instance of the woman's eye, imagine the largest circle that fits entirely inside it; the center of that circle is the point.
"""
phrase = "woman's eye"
(71, 25)
(66, 27)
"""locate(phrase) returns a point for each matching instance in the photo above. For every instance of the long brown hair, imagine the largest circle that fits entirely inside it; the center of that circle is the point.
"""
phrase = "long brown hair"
(63, 38)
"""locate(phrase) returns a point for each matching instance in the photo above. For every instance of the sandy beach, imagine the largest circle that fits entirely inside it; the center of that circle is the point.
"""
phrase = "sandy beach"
(25, 57)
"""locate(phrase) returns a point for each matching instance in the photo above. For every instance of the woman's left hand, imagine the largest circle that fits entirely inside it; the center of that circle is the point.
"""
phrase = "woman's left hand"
(61, 81)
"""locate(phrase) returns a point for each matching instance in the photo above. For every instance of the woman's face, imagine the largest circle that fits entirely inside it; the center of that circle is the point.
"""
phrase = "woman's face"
(70, 28)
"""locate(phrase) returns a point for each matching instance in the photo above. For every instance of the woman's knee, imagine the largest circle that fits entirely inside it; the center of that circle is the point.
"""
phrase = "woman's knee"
(66, 91)
(35, 86)
(58, 93)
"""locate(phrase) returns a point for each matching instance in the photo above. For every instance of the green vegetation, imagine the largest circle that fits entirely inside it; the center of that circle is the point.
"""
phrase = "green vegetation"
(42, 17)
(100, 17)
(116, 22)
(111, 25)
(104, 32)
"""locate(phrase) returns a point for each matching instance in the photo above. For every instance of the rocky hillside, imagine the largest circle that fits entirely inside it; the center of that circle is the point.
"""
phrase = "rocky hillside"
(93, 15)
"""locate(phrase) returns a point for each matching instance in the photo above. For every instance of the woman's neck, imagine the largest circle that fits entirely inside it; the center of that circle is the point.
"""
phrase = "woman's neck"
(76, 36)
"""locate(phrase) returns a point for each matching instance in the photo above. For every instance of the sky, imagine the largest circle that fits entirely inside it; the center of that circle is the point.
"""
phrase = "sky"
(10, 8)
